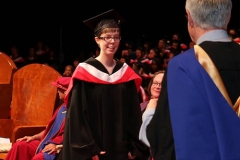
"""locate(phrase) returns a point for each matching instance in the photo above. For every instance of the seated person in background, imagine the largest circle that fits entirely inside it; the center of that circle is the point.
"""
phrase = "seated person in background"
(154, 67)
(76, 61)
(154, 89)
(68, 71)
(16, 57)
(31, 56)
(42, 146)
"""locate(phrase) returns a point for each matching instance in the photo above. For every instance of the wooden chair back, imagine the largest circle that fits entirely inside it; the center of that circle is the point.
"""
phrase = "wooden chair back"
(34, 97)
(7, 69)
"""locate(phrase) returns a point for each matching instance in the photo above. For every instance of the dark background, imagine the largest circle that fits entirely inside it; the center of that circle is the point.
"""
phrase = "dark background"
(60, 24)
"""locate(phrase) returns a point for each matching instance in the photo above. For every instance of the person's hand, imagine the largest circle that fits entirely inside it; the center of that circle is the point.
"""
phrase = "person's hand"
(96, 157)
(26, 138)
(152, 103)
(59, 147)
(130, 156)
(50, 148)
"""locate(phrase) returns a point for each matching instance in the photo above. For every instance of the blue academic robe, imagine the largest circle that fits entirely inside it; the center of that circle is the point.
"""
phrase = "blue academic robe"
(192, 119)
(204, 124)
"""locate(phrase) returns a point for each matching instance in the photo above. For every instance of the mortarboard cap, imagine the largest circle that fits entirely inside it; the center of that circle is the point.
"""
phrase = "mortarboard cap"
(108, 15)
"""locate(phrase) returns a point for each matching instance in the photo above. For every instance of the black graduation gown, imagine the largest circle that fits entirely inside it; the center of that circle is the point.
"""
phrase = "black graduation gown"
(225, 56)
(103, 113)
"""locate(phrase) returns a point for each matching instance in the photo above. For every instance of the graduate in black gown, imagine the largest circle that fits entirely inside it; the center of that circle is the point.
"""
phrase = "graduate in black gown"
(104, 117)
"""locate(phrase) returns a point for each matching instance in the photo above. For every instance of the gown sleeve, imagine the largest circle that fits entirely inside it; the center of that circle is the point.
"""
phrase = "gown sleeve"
(133, 122)
(78, 146)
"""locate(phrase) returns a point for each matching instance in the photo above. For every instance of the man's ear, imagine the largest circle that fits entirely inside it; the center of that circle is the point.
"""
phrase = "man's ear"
(189, 18)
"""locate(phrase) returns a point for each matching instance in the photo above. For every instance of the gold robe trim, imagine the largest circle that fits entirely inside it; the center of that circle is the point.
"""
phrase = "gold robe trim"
(211, 69)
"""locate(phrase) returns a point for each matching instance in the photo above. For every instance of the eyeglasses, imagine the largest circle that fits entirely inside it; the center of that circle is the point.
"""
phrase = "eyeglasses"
(156, 84)
(109, 39)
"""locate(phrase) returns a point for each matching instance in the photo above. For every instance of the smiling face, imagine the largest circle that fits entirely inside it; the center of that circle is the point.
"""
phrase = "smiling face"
(68, 71)
(108, 42)
(156, 85)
